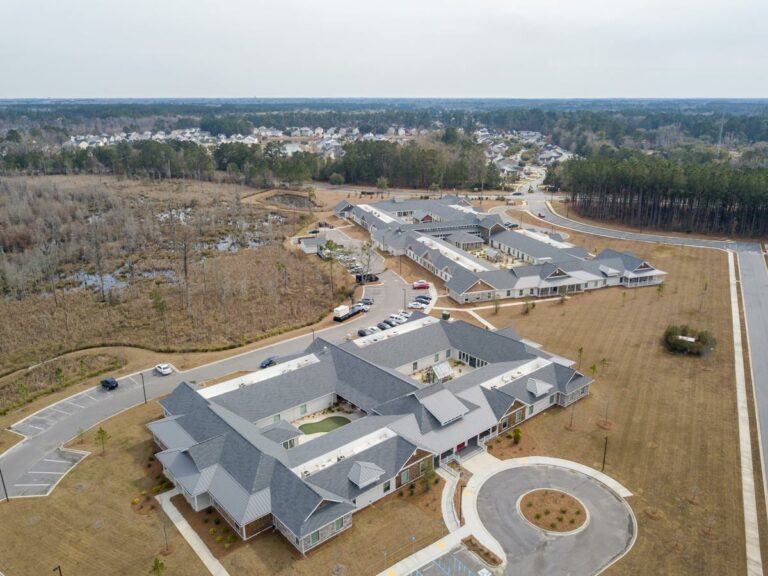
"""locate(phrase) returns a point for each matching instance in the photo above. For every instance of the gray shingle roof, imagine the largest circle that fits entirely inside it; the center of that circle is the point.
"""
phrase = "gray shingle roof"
(389, 457)
(280, 432)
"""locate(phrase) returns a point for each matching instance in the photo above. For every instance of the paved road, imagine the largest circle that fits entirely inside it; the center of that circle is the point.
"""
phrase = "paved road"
(606, 537)
(27, 466)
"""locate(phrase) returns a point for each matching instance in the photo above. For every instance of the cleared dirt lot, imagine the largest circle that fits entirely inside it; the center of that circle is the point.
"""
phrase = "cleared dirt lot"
(88, 525)
(671, 420)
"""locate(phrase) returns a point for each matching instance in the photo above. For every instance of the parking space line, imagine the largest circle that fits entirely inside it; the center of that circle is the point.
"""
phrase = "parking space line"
(42, 472)
(57, 461)
(61, 411)
(91, 397)
(29, 485)
(72, 401)
(38, 427)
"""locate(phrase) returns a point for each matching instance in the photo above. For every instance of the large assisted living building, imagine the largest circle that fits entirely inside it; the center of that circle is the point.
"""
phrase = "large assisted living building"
(480, 259)
(425, 392)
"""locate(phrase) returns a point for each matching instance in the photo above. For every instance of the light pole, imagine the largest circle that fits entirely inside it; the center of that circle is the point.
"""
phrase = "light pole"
(605, 451)
(5, 490)
(143, 388)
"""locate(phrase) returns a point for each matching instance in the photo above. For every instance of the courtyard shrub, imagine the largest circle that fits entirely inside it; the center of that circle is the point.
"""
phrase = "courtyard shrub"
(517, 435)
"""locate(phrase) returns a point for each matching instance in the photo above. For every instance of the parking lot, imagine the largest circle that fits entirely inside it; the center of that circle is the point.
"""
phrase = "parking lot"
(457, 562)
(41, 421)
(45, 473)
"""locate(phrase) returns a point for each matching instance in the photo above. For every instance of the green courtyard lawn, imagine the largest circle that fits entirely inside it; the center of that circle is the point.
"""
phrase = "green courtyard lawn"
(326, 425)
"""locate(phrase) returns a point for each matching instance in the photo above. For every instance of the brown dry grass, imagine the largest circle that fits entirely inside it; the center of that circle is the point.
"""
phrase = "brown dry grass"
(88, 525)
(24, 386)
(672, 427)
(553, 510)
(386, 525)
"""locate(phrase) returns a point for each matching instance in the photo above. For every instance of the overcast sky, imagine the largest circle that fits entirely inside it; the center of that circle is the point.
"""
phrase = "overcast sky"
(389, 48)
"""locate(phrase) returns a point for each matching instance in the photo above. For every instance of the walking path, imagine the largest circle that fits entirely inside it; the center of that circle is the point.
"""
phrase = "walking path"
(482, 320)
(754, 558)
(446, 499)
(195, 542)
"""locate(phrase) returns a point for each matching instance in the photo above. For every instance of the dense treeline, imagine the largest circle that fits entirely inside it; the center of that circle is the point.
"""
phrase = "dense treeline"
(650, 191)
(461, 165)
(248, 164)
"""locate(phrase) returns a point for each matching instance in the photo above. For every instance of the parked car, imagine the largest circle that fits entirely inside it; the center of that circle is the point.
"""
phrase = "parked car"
(421, 285)
(397, 319)
(363, 332)
(314, 231)
(266, 363)
(511, 225)
(389, 322)
(383, 326)
(517, 193)
(541, 216)
(367, 301)
(360, 278)
(363, 306)
(109, 383)
(426, 298)
(373, 329)
(164, 369)
(416, 305)
(404, 313)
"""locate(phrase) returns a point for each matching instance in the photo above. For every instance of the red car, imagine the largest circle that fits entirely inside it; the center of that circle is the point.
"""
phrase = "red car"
(421, 285)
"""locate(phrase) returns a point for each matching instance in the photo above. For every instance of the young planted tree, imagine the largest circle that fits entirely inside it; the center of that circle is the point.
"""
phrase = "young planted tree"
(580, 353)
(158, 567)
(102, 436)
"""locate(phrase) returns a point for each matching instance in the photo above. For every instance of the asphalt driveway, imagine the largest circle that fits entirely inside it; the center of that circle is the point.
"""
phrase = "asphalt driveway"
(607, 536)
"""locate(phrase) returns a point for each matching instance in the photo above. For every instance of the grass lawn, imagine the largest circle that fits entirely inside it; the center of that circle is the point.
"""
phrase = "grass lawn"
(330, 423)
(672, 426)
(88, 525)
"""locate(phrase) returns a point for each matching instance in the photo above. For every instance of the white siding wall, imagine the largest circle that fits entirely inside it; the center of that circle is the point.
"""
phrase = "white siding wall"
(294, 413)
(375, 493)
(426, 362)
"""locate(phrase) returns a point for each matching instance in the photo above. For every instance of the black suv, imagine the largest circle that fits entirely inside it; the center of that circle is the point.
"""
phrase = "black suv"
(109, 383)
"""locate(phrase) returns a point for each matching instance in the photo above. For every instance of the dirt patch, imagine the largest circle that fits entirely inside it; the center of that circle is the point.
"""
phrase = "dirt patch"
(211, 527)
(486, 555)
(553, 510)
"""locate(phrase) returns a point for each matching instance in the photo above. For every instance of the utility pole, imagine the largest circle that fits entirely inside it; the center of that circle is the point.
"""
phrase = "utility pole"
(143, 388)
(5, 490)
(605, 451)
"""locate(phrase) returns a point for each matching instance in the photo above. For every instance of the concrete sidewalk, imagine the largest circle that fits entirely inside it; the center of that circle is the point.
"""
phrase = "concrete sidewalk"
(446, 499)
(197, 544)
